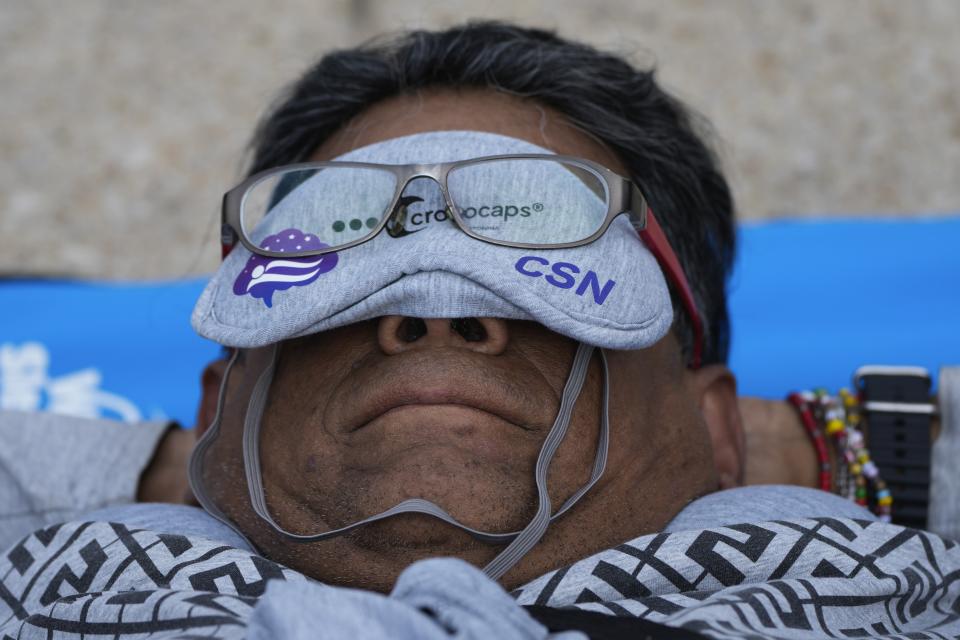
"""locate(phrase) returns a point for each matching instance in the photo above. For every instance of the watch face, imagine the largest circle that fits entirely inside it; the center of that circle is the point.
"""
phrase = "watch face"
(888, 370)
(894, 384)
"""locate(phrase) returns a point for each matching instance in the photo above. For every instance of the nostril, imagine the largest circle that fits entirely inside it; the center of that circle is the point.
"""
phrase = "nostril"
(411, 329)
(471, 329)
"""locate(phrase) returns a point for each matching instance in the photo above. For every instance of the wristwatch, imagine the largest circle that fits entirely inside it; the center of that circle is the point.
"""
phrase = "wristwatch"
(896, 406)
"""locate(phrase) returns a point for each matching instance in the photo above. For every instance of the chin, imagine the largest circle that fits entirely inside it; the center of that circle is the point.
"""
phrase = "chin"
(480, 496)
(372, 556)
(415, 533)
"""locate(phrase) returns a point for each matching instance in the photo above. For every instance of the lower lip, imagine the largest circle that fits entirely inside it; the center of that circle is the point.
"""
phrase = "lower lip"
(435, 424)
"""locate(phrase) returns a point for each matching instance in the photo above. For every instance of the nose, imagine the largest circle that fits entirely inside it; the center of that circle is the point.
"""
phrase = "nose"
(404, 333)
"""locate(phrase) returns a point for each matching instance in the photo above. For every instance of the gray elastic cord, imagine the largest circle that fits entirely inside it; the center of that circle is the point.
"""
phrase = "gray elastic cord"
(520, 542)
(197, 457)
(537, 526)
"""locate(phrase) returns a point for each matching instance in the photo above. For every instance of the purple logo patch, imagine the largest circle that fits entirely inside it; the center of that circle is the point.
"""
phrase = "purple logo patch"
(262, 276)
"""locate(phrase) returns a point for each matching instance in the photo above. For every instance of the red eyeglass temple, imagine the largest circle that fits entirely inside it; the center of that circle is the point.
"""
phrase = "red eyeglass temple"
(653, 236)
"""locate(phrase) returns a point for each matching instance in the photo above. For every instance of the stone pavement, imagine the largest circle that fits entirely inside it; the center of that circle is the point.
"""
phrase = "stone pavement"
(122, 123)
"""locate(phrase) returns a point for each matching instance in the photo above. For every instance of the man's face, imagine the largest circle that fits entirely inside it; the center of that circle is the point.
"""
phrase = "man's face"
(363, 417)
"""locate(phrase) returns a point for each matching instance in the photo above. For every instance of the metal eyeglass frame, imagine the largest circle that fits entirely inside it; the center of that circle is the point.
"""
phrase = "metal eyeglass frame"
(623, 196)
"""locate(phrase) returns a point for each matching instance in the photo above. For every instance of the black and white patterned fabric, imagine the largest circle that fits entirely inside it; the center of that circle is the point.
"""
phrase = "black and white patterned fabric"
(102, 579)
(805, 578)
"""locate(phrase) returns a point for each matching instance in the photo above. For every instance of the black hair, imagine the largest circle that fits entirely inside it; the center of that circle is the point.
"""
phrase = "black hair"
(659, 140)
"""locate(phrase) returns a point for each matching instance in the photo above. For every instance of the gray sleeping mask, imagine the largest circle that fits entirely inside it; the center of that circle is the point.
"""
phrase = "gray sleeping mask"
(610, 293)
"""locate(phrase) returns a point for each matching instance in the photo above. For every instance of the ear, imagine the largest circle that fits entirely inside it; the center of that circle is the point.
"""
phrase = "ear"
(210, 382)
(716, 388)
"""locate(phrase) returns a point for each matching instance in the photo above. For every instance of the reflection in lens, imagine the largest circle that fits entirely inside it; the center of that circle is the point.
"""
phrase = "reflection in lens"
(337, 204)
(535, 201)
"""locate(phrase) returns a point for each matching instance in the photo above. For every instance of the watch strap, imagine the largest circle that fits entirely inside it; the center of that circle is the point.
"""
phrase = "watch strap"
(896, 405)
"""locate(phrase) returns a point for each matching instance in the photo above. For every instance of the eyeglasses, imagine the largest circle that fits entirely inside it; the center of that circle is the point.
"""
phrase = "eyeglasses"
(535, 201)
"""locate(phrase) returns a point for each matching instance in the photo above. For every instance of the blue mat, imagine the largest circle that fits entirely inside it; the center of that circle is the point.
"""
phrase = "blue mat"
(810, 301)
(123, 351)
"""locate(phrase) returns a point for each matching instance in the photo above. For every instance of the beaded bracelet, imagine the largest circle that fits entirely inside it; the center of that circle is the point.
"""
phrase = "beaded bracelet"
(857, 476)
(802, 403)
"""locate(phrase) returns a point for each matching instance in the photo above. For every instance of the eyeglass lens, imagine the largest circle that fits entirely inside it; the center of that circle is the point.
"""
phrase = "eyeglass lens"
(513, 200)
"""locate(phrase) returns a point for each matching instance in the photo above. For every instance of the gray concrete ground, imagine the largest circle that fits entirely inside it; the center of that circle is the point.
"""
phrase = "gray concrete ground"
(123, 122)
